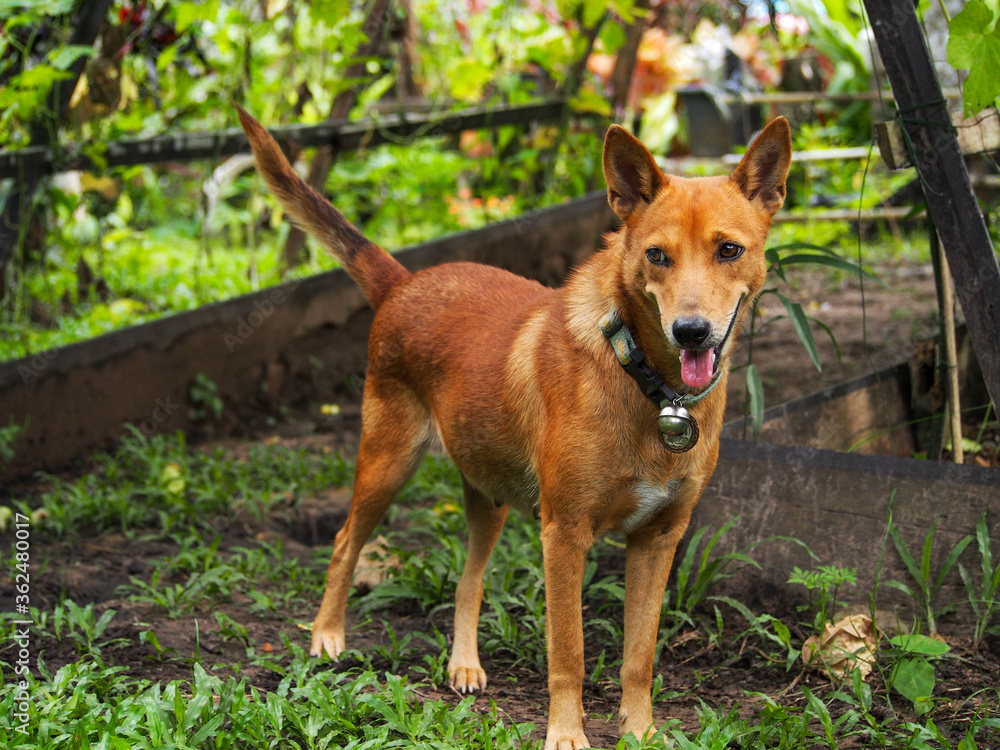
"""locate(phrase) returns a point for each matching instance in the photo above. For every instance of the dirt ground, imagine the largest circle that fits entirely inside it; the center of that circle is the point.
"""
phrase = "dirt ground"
(693, 668)
(92, 569)
(882, 331)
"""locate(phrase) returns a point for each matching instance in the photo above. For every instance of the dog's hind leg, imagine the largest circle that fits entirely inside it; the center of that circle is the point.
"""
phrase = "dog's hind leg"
(485, 522)
(394, 434)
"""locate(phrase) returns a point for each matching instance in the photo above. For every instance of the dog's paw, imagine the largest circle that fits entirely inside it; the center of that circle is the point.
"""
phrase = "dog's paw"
(327, 642)
(563, 742)
(467, 679)
(638, 728)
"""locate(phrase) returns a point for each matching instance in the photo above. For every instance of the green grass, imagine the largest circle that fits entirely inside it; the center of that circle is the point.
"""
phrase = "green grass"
(91, 704)
(158, 482)
(233, 594)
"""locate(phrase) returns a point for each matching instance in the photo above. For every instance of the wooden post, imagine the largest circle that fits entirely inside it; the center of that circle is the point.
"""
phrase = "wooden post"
(574, 78)
(949, 365)
(17, 206)
(950, 200)
(621, 77)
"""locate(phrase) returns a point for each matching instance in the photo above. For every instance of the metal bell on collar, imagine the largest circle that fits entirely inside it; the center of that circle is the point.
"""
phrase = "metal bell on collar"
(679, 429)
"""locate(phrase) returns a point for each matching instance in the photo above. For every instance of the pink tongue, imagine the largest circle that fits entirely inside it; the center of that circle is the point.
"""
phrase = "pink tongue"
(697, 367)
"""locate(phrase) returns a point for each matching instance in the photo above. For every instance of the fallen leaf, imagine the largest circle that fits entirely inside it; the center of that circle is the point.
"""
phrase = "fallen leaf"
(847, 644)
(374, 563)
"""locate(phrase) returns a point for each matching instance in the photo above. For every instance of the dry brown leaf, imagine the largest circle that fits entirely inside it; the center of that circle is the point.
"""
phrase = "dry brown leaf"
(849, 643)
(373, 564)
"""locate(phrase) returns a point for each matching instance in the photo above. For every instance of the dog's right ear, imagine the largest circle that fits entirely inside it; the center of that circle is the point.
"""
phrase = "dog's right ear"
(632, 176)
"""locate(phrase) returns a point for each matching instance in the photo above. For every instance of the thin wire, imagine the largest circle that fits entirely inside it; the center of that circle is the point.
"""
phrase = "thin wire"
(864, 306)
(869, 35)
(911, 151)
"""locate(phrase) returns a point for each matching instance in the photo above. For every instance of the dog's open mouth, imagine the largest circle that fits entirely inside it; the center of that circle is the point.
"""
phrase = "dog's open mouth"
(698, 366)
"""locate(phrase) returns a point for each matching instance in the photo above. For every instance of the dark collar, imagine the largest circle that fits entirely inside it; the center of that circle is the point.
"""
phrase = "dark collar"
(633, 360)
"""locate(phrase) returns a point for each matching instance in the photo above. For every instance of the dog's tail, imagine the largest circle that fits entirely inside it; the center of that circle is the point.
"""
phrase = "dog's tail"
(374, 270)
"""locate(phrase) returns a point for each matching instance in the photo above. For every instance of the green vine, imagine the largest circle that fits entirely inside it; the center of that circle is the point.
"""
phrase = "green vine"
(974, 45)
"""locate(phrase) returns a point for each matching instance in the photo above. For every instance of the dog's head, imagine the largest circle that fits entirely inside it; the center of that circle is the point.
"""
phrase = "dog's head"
(693, 249)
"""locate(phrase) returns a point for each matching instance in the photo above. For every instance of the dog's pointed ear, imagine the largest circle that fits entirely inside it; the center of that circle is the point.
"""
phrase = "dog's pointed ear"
(631, 173)
(763, 170)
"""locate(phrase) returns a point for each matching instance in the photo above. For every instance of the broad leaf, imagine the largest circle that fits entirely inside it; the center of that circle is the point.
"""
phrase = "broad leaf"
(63, 57)
(913, 678)
(920, 644)
(972, 47)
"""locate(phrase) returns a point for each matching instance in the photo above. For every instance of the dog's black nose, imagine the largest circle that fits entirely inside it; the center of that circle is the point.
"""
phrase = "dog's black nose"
(691, 332)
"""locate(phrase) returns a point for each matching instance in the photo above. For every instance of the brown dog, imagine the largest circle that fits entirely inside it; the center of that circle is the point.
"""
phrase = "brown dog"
(526, 389)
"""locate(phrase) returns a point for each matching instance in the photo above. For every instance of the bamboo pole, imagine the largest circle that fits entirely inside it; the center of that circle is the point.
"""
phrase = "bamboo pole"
(950, 352)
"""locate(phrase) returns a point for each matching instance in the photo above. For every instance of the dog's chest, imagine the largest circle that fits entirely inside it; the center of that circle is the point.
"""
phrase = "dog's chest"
(651, 498)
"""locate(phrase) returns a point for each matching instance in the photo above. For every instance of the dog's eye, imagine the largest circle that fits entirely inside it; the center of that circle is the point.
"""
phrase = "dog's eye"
(730, 250)
(656, 256)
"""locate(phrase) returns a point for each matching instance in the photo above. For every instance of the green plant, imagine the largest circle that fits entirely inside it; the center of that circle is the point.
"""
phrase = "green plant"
(437, 477)
(912, 675)
(983, 598)
(694, 584)
(398, 651)
(781, 636)
(974, 45)
(149, 636)
(229, 629)
(775, 726)
(927, 584)
(156, 482)
(211, 584)
(79, 624)
(428, 578)
(8, 439)
(205, 399)
(823, 584)
(781, 258)
(436, 669)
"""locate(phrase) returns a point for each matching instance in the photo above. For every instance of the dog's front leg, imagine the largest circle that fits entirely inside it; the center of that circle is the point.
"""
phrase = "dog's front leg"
(564, 549)
(649, 554)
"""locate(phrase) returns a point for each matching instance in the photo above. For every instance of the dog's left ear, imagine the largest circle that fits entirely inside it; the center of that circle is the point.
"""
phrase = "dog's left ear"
(632, 175)
(761, 174)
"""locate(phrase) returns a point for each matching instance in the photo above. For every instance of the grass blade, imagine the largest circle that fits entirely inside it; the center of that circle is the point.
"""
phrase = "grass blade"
(755, 388)
(950, 561)
(801, 323)
(925, 556)
(833, 262)
(904, 552)
(829, 332)
(986, 554)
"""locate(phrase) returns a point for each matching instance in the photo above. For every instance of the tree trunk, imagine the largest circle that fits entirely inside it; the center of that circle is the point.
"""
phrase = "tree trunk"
(621, 77)
(342, 105)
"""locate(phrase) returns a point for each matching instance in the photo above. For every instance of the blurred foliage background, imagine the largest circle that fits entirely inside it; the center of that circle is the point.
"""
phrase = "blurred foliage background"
(114, 248)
